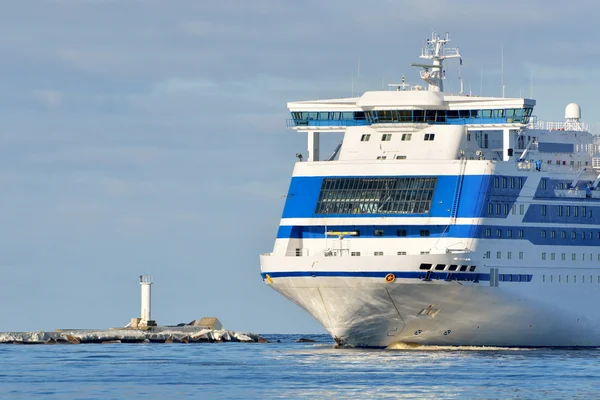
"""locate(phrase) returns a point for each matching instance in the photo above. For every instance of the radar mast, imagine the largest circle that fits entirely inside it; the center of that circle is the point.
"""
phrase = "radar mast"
(436, 51)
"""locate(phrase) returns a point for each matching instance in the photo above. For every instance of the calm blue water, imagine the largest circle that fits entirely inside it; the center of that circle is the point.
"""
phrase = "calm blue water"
(291, 370)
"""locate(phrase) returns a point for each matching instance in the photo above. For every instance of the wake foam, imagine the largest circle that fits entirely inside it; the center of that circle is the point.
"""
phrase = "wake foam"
(423, 347)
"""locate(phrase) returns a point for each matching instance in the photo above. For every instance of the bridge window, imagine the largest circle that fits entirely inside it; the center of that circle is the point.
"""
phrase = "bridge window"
(429, 136)
(365, 137)
(424, 232)
(378, 232)
(401, 232)
(406, 136)
(376, 195)
(386, 137)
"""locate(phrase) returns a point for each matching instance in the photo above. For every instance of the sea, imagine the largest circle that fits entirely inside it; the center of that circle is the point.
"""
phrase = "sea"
(288, 369)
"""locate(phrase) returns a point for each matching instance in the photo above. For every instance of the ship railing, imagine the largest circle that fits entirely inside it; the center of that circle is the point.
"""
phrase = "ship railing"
(558, 125)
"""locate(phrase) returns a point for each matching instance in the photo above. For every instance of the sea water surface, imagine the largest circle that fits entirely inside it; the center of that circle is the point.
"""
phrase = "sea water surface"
(292, 370)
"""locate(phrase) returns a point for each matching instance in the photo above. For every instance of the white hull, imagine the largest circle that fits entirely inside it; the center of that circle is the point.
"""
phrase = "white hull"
(370, 312)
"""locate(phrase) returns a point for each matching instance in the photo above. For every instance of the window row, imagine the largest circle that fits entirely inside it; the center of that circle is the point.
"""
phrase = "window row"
(376, 195)
(573, 235)
(488, 255)
(572, 279)
(563, 257)
(386, 137)
(446, 267)
(514, 277)
(497, 208)
(505, 182)
(508, 233)
(302, 118)
(567, 211)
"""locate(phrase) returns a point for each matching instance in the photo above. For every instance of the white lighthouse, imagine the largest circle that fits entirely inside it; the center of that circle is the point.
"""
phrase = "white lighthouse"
(145, 319)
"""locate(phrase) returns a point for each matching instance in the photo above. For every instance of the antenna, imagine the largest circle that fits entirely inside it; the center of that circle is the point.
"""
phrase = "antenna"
(358, 78)
(531, 83)
(502, 70)
(480, 82)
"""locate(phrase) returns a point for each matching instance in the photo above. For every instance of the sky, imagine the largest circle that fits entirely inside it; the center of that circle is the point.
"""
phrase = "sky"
(149, 137)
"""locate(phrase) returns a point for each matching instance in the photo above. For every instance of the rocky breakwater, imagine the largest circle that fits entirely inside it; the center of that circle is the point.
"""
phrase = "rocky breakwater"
(186, 334)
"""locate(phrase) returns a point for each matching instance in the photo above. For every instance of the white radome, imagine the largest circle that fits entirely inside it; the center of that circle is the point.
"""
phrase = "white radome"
(573, 111)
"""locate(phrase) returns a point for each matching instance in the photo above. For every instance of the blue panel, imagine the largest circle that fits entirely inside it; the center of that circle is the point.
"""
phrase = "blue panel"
(548, 147)
(302, 197)
(304, 192)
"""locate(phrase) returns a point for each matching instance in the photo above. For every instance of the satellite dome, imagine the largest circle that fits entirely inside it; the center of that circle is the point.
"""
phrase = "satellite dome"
(573, 111)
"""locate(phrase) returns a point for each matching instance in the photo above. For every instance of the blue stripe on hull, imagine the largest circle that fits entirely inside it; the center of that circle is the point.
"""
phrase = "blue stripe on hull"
(453, 276)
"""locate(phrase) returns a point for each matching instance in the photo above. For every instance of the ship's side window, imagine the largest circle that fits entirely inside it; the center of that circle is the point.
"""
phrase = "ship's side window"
(543, 234)
(496, 181)
(406, 136)
(563, 235)
(552, 256)
(424, 232)
(463, 268)
(514, 209)
(379, 253)
(560, 211)
(552, 234)
(378, 232)
(365, 137)
(520, 183)
(509, 255)
(576, 211)
(543, 256)
(401, 253)
(355, 253)
(520, 233)
(543, 210)
(488, 254)
(386, 137)
(440, 267)
(490, 208)
(401, 232)
(544, 182)
(425, 266)
(498, 208)
(506, 208)
(488, 232)
(504, 182)
(598, 235)
(381, 157)
(583, 211)
(583, 235)
(509, 233)
(573, 235)
(472, 268)
(563, 256)
(573, 257)
(429, 136)
(512, 183)
(452, 267)
(498, 254)
(568, 211)
(400, 157)
(522, 209)
(520, 255)
(499, 232)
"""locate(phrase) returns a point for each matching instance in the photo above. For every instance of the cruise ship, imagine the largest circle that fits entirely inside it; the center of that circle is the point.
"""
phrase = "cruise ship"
(442, 219)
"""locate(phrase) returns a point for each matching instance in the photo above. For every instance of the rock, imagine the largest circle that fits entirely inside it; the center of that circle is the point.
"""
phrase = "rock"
(73, 340)
(306, 340)
(111, 342)
(169, 340)
(262, 340)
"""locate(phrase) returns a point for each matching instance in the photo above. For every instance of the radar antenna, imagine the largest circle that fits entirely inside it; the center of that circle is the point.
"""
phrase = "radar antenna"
(436, 51)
